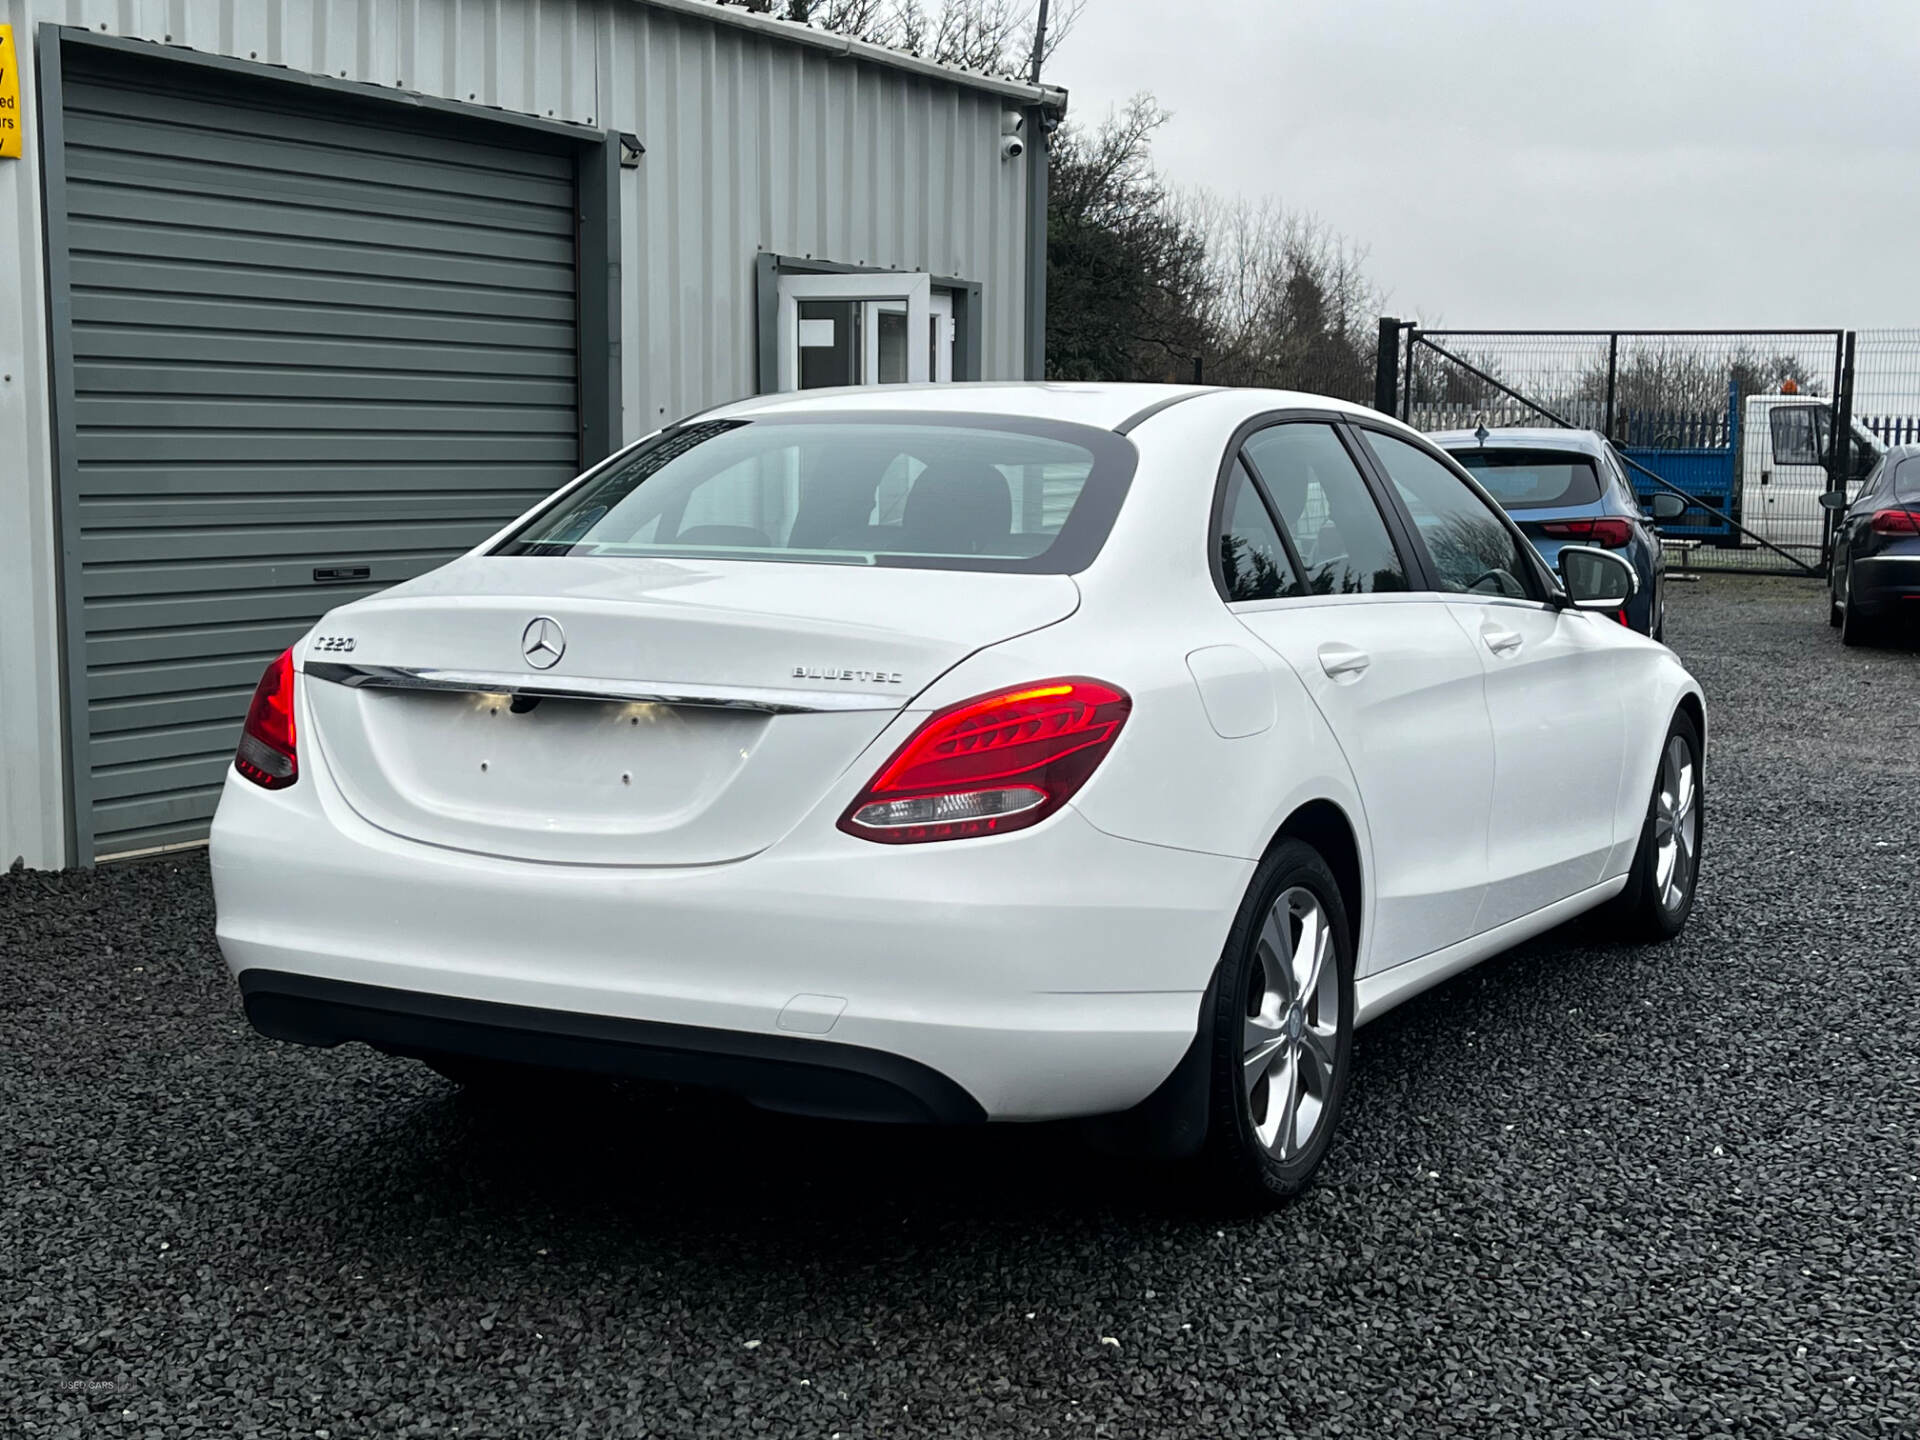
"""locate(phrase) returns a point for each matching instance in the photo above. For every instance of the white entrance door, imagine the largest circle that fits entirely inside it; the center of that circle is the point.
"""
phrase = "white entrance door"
(885, 335)
(829, 328)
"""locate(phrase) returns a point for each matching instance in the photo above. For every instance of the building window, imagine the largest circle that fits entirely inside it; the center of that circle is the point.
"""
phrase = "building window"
(822, 327)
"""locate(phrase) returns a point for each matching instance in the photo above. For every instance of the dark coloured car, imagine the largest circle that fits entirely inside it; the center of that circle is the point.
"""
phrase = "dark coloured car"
(1875, 577)
(1567, 487)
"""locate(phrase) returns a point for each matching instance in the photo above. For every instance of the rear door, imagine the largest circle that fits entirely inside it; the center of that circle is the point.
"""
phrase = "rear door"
(1553, 685)
(1331, 592)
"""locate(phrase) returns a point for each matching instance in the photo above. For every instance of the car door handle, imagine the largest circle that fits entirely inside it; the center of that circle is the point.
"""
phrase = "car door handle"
(1501, 642)
(1343, 662)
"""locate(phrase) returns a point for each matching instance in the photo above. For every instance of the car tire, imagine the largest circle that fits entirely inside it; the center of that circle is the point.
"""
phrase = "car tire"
(1833, 601)
(1284, 1007)
(1855, 629)
(1666, 866)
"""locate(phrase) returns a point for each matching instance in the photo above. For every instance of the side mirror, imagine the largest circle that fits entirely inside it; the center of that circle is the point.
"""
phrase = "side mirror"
(1668, 506)
(1596, 579)
(1834, 500)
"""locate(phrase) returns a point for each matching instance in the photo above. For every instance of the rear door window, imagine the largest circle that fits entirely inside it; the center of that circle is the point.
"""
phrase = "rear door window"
(1327, 510)
(1534, 479)
(932, 491)
(1253, 558)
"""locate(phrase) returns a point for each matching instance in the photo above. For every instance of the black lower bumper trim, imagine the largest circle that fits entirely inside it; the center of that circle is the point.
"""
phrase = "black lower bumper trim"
(814, 1077)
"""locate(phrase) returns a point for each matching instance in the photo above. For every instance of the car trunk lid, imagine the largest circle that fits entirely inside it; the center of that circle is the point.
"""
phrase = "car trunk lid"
(634, 712)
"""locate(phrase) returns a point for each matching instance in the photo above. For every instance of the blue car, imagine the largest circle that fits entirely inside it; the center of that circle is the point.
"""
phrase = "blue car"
(1567, 487)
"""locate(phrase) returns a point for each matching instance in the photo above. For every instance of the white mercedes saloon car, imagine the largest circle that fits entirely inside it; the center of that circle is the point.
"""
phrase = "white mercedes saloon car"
(998, 752)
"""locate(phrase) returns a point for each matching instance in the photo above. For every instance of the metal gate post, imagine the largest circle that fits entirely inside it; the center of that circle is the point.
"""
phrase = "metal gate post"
(1406, 375)
(1841, 458)
(1386, 365)
(1613, 377)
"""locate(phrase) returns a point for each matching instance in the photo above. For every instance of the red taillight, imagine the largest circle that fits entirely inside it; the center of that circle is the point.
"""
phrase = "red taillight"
(267, 755)
(992, 764)
(1609, 532)
(1896, 522)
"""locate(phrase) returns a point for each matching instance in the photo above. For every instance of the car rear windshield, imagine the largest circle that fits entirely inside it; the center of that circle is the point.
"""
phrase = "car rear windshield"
(1533, 479)
(1906, 482)
(936, 491)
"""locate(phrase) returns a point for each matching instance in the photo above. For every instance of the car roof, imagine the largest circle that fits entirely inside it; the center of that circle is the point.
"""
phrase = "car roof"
(1110, 406)
(1527, 437)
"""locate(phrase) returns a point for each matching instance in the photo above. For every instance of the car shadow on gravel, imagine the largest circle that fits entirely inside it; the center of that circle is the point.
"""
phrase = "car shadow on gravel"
(630, 1174)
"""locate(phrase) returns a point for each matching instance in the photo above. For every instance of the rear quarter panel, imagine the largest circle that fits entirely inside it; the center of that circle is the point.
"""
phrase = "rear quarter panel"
(1172, 779)
(1148, 603)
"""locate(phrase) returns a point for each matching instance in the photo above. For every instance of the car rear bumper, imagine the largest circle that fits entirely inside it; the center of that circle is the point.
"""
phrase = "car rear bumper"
(1049, 973)
(1886, 584)
(813, 1077)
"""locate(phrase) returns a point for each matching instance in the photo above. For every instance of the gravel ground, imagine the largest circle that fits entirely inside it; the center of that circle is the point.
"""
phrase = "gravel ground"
(1582, 1190)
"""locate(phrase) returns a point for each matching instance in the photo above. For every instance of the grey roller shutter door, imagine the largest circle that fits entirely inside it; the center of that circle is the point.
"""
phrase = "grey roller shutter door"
(308, 341)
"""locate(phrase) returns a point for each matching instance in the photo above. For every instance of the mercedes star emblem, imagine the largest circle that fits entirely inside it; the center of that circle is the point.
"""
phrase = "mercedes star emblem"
(543, 642)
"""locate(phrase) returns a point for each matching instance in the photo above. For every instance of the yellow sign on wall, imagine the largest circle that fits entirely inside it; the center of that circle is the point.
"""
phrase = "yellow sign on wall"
(12, 121)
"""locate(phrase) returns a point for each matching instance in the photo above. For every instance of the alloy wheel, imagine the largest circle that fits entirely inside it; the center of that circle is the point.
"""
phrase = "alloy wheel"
(1676, 824)
(1292, 1025)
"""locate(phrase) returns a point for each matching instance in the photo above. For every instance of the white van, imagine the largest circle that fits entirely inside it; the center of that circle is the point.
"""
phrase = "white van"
(1783, 466)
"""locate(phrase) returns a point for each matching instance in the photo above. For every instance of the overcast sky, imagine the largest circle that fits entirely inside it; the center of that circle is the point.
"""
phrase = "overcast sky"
(1584, 163)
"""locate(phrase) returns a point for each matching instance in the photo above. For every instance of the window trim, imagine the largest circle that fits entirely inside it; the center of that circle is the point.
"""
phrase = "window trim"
(1545, 583)
(1236, 446)
(1261, 496)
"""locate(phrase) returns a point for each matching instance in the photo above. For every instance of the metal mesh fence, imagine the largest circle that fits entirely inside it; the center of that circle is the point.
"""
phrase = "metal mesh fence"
(1886, 385)
(1740, 422)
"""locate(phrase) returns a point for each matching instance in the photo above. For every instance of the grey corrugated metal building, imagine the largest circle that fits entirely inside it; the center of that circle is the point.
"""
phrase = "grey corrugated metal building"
(303, 297)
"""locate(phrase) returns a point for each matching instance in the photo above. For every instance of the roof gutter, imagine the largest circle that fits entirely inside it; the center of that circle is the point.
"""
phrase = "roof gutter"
(1047, 97)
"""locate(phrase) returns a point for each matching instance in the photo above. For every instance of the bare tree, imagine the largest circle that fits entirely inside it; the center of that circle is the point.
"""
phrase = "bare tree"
(1688, 388)
(1144, 283)
(993, 36)
(1126, 271)
(1287, 301)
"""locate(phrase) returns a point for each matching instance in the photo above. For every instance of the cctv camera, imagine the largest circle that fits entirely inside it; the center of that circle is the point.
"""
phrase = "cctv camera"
(1012, 122)
(1012, 148)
